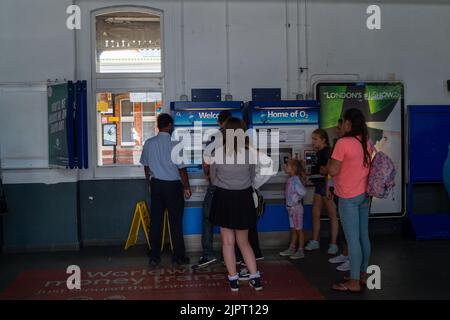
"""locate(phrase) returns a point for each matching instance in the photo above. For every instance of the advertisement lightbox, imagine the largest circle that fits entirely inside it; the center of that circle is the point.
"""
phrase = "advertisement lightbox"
(383, 107)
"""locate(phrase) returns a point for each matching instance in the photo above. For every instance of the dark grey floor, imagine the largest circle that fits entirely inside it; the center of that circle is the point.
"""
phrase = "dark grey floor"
(409, 269)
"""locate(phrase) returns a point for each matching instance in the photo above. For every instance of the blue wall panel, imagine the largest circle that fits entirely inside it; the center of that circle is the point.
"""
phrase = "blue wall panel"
(274, 219)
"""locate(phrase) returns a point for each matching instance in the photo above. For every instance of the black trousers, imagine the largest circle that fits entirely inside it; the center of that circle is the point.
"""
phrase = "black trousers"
(254, 243)
(166, 195)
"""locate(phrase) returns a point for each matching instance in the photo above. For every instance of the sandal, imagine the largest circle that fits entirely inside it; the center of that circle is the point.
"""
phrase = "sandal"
(361, 281)
(342, 288)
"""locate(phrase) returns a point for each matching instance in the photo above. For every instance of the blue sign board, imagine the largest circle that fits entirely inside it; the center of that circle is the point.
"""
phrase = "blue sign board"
(284, 112)
(186, 113)
(67, 129)
(207, 117)
(270, 116)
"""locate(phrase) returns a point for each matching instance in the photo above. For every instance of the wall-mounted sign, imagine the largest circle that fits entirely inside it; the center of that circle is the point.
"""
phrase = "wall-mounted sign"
(110, 134)
(67, 125)
(60, 129)
(113, 119)
(290, 116)
(102, 106)
(206, 116)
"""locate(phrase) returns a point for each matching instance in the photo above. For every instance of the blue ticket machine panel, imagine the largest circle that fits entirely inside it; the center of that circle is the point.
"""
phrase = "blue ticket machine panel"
(194, 119)
(293, 122)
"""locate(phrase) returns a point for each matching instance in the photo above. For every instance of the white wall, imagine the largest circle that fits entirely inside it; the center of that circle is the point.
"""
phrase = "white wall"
(35, 46)
(413, 43)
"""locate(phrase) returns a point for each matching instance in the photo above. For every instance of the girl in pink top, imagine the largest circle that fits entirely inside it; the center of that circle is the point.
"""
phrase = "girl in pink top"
(349, 165)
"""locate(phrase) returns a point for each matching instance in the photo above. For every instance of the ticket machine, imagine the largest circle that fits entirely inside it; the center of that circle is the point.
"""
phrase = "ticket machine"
(186, 116)
(293, 121)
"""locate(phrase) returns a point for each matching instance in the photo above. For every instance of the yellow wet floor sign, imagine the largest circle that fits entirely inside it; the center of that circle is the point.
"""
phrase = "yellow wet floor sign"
(142, 217)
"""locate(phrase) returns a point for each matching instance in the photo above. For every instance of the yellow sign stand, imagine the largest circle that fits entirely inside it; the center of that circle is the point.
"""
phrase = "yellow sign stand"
(142, 217)
(166, 223)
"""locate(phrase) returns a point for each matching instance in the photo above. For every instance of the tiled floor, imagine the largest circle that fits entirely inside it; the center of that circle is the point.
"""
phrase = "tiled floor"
(409, 270)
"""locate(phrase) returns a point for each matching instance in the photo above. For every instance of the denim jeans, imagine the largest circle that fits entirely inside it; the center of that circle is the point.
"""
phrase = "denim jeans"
(354, 213)
(207, 227)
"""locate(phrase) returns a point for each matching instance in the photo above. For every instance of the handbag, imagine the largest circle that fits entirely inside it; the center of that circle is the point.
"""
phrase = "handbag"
(260, 204)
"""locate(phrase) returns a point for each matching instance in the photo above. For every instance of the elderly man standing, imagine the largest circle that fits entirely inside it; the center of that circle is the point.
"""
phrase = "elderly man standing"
(168, 184)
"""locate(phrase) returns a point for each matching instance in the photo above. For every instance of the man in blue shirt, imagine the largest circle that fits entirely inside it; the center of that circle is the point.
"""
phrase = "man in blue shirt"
(168, 184)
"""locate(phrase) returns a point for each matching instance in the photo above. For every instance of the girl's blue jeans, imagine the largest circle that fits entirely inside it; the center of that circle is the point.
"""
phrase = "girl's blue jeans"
(354, 214)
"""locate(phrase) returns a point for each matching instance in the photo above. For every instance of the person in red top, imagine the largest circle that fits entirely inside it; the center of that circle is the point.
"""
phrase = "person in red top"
(349, 165)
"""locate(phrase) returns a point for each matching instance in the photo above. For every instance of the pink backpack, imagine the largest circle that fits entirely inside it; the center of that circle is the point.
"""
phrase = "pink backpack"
(381, 176)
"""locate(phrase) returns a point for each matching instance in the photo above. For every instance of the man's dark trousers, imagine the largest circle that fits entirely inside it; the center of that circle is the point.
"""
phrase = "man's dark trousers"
(166, 195)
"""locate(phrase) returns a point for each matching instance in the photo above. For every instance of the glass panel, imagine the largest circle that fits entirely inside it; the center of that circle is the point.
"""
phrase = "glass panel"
(149, 129)
(127, 108)
(127, 130)
(149, 109)
(124, 121)
(128, 42)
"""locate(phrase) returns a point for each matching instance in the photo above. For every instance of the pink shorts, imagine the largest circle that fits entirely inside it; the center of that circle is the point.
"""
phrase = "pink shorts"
(295, 217)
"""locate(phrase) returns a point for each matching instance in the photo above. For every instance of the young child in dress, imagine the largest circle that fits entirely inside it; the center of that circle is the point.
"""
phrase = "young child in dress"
(294, 193)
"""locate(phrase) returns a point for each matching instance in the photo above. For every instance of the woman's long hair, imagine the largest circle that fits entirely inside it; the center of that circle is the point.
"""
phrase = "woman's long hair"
(359, 128)
(234, 124)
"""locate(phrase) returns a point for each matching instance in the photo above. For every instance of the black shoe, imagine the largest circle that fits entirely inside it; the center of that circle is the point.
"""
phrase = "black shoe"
(255, 283)
(244, 274)
(181, 261)
(154, 262)
(234, 285)
(204, 261)
(259, 258)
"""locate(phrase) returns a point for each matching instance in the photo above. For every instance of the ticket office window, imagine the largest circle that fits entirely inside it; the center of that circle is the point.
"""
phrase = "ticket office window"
(127, 54)
(126, 120)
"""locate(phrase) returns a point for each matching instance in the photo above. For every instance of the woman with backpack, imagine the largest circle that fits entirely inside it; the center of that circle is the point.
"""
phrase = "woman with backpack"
(349, 165)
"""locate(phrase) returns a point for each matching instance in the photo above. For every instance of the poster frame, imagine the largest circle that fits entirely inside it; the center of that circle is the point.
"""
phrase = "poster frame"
(320, 84)
(103, 134)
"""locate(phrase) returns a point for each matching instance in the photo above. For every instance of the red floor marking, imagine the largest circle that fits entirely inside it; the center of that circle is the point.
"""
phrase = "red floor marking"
(281, 280)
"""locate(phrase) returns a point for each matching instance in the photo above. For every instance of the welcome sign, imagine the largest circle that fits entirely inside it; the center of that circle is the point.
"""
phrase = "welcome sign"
(270, 116)
(206, 116)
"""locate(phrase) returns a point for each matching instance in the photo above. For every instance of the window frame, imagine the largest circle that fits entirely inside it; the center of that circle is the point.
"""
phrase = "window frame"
(120, 83)
(125, 75)
(127, 119)
(148, 119)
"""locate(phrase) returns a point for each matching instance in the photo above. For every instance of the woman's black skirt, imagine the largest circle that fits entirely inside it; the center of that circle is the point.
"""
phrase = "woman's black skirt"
(233, 209)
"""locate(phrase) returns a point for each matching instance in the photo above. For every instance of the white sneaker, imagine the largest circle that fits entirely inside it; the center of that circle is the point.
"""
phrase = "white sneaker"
(338, 259)
(288, 252)
(344, 267)
(333, 249)
(298, 255)
(312, 245)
